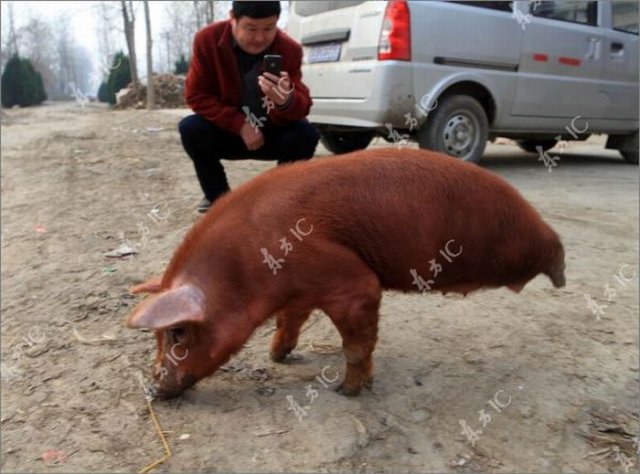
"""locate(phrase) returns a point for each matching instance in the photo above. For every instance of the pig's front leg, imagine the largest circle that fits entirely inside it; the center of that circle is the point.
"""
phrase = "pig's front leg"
(352, 303)
(288, 323)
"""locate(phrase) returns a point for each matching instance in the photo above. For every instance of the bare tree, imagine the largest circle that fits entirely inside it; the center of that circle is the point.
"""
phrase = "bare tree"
(36, 42)
(9, 45)
(186, 19)
(107, 14)
(178, 38)
(210, 11)
(129, 19)
(205, 12)
(196, 7)
(13, 39)
(182, 29)
(166, 37)
(64, 65)
(72, 66)
(49, 44)
(6, 49)
(65, 70)
(150, 88)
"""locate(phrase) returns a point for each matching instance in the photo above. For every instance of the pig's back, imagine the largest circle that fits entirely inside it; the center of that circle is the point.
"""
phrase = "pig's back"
(398, 209)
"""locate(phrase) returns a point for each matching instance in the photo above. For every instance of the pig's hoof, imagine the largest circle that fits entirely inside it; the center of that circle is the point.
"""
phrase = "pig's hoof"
(285, 357)
(278, 357)
(346, 391)
(342, 389)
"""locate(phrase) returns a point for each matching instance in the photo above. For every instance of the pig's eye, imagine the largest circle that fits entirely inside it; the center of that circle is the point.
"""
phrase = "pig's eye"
(178, 335)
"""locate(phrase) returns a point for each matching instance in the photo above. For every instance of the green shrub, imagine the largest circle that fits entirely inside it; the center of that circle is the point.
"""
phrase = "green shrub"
(119, 76)
(181, 65)
(103, 92)
(21, 84)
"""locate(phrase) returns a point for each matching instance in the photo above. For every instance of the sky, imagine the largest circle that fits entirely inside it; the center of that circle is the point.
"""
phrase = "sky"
(84, 18)
(85, 25)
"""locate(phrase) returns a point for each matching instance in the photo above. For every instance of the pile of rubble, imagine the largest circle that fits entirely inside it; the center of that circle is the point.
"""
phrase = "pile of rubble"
(168, 88)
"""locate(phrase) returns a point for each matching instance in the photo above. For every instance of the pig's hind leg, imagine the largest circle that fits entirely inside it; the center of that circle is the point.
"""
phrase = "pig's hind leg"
(285, 339)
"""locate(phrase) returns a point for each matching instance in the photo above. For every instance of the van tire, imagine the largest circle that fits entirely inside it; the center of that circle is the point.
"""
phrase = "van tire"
(461, 114)
(631, 155)
(530, 145)
(338, 142)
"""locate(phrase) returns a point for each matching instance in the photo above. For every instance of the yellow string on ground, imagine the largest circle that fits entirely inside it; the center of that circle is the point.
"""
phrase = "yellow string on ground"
(167, 450)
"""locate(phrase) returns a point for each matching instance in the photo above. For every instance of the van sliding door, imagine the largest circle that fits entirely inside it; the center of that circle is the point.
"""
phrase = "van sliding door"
(620, 55)
(561, 61)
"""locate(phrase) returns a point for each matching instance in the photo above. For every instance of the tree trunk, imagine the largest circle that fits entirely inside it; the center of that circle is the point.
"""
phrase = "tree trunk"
(129, 32)
(166, 36)
(196, 7)
(210, 11)
(150, 89)
(13, 38)
(104, 45)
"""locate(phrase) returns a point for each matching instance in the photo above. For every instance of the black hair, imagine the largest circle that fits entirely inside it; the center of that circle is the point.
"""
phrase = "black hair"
(257, 10)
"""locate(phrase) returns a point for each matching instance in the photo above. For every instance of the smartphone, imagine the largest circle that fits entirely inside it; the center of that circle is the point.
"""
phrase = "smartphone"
(273, 64)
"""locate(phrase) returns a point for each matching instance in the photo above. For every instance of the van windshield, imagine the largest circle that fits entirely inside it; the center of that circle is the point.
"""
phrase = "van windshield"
(313, 8)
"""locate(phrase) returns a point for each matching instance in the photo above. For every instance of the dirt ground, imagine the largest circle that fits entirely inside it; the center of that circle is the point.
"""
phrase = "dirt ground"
(541, 381)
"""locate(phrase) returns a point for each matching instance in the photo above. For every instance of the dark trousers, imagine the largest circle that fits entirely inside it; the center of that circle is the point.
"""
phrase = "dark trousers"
(207, 144)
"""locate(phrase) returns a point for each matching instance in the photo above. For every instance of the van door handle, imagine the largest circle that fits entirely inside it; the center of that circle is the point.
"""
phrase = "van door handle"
(617, 51)
(594, 49)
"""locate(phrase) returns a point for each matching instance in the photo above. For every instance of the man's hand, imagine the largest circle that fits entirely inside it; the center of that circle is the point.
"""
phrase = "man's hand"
(277, 89)
(252, 136)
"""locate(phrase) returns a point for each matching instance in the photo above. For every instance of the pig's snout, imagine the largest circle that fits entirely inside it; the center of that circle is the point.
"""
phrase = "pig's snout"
(164, 393)
(169, 384)
(557, 273)
(558, 279)
(556, 267)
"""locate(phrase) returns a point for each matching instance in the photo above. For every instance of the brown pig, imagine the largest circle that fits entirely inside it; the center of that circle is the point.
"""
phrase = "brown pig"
(333, 234)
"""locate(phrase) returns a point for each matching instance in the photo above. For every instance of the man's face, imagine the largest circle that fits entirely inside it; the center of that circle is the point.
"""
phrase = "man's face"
(254, 35)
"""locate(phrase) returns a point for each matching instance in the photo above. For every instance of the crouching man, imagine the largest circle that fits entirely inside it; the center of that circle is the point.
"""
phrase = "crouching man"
(241, 110)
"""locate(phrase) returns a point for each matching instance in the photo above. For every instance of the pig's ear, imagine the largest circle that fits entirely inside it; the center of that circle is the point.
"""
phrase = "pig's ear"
(150, 286)
(174, 307)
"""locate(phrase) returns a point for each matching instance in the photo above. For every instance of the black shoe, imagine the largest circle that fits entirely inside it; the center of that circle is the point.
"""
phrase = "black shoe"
(204, 205)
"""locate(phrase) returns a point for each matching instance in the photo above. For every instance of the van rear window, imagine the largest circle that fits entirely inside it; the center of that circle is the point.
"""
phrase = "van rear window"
(501, 6)
(316, 7)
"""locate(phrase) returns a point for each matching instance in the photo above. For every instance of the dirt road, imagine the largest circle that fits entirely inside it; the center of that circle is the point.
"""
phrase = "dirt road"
(496, 381)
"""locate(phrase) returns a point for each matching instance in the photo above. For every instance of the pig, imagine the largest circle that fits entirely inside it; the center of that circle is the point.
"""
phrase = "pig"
(332, 234)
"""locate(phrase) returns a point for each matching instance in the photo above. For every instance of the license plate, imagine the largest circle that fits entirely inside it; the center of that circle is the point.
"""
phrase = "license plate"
(324, 53)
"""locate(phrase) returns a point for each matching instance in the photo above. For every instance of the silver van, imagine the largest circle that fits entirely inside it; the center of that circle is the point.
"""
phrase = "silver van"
(454, 74)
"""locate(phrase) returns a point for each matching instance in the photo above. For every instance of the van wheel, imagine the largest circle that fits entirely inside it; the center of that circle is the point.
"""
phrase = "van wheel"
(530, 145)
(338, 142)
(457, 127)
(631, 156)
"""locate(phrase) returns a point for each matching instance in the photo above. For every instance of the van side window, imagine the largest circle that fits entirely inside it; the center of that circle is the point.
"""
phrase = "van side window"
(502, 6)
(574, 11)
(321, 6)
(625, 16)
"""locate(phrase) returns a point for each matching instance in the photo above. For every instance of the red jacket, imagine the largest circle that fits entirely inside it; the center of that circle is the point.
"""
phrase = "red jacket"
(213, 87)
